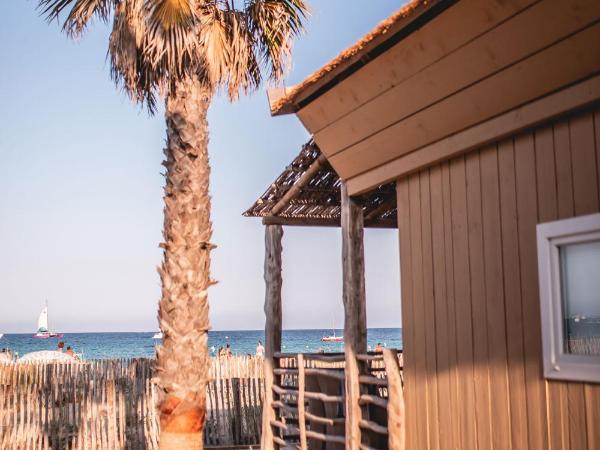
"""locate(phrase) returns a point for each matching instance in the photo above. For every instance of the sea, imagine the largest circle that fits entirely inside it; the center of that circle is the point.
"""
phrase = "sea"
(142, 345)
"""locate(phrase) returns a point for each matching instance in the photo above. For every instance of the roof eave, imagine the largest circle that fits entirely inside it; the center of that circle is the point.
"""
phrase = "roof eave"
(412, 15)
(277, 103)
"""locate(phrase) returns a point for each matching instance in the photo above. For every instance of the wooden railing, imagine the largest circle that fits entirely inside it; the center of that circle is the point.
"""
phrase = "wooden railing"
(308, 407)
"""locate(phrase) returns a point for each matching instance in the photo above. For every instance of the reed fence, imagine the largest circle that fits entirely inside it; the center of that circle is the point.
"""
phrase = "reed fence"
(110, 404)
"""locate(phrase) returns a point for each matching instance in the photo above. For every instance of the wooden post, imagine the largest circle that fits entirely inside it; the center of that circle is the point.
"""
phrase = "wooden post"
(273, 281)
(395, 409)
(355, 317)
(301, 400)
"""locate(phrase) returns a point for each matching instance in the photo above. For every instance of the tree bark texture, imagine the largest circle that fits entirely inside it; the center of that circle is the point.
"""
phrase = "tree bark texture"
(183, 363)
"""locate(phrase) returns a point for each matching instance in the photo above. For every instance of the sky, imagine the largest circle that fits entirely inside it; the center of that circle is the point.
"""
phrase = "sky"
(81, 190)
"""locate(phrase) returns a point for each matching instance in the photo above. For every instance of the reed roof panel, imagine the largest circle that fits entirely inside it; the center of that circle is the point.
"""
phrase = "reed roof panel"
(313, 191)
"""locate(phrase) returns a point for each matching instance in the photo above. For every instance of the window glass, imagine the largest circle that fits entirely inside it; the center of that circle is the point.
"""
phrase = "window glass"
(580, 284)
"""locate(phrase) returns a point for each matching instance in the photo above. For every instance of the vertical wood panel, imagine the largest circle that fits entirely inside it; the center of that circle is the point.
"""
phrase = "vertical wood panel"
(559, 391)
(478, 303)
(564, 171)
(577, 422)
(429, 321)
(418, 312)
(462, 290)
(441, 309)
(494, 298)
(583, 158)
(512, 289)
(585, 199)
(550, 199)
(592, 409)
(408, 341)
(527, 214)
(451, 302)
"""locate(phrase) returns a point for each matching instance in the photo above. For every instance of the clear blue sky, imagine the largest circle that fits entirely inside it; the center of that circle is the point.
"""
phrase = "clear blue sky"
(81, 190)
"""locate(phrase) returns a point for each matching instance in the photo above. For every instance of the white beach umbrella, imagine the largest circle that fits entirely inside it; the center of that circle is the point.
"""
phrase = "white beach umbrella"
(46, 356)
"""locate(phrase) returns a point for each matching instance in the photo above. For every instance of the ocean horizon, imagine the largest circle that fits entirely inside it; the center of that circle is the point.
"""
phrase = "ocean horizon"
(107, 345)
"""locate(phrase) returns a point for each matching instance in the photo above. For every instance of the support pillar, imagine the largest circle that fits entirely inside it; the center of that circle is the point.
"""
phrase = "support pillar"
(355, 316)
(273, 282)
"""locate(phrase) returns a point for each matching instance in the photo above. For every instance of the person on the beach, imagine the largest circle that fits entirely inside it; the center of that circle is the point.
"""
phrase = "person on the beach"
(379, 348)
(228, 351)
(60, 347)
(71, 353)
(260, 350)
(221, 353)
(6, 355)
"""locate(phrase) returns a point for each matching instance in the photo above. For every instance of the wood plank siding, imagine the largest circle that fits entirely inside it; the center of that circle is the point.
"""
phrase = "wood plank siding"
(446, 77)
(470, 300)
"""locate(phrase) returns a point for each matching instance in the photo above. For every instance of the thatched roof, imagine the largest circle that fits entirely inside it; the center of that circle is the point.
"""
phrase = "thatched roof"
(308, 193)
(393, 28)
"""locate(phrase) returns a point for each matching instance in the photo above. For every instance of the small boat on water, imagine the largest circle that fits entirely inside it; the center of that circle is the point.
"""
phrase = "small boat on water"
(332, 337)
(42, 330)
(1, 335)
(158, 335)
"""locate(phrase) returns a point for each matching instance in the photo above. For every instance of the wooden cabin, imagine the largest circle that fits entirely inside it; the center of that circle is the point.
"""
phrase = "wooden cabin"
(485, 116)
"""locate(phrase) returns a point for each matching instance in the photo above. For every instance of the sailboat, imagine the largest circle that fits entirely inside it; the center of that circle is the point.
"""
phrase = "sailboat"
(42, 331)
(332, 338)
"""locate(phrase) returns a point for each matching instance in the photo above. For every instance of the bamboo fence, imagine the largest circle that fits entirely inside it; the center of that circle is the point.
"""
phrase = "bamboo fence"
(110, 404)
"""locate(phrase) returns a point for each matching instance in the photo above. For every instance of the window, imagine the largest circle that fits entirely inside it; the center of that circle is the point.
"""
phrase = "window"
(569, 275)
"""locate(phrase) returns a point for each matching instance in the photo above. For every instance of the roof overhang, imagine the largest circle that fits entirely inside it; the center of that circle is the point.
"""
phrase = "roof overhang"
(386, 34)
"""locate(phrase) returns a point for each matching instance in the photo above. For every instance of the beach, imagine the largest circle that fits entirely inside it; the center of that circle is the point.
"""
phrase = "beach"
(141, 344)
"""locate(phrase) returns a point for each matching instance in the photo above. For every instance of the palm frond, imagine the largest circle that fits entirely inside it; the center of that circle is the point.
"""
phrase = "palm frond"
(215, 41)
(243, 69)
(155, 44)
(171, 42)
(80, 14)
(124, 52)
(275, 23)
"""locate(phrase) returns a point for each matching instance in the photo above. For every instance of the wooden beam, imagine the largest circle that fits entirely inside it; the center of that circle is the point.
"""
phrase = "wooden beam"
(559, 65)
(273, 282)
(395, 404)
(295, 189)
(385, 205)
(355, 317)
(548, 108)
(310, 222)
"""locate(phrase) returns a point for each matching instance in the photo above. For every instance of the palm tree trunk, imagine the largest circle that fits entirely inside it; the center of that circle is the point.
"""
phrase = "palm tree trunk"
(183, 311)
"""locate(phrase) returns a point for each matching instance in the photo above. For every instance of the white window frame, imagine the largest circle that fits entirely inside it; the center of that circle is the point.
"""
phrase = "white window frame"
(558, 364)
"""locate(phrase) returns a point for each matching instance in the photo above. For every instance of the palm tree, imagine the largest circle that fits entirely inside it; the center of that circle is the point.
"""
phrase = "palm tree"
(186, 51)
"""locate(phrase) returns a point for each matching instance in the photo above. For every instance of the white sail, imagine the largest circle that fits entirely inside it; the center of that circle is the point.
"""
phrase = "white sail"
(43, 321)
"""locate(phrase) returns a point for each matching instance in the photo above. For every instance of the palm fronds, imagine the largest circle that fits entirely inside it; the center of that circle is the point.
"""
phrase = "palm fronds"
(156, 43)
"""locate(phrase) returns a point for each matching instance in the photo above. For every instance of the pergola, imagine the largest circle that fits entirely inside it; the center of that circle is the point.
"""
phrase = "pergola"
(310, 193)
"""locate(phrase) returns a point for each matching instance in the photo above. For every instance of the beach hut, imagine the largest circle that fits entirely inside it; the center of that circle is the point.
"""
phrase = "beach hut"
(485, 116)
